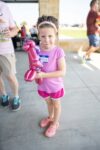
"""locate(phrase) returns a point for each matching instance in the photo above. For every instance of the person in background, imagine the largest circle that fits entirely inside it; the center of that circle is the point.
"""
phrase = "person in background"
(34, 34)
(33, 31)
(54, 68)
(8, 30)
(15, 38)
(23, 33)
(93, 30)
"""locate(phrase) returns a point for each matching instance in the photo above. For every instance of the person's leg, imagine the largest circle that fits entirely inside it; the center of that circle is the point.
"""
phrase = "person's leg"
(2, 87)
(46, 121)
(3, 95)
(50, 107)
(9, 70)
(94, 43)
(51, 130)
(54, 109)
(13, 83)
(56, 105)
(7, 67)
(90, 51)
(57, 111)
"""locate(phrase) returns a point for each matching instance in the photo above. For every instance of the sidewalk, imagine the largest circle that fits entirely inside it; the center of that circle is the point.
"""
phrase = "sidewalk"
(79, 126)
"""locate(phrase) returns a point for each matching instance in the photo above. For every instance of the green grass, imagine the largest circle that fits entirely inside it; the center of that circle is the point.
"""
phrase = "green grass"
(73, 32)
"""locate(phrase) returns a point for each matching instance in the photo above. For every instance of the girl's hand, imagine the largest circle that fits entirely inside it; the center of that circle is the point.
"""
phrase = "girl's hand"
(40, 75)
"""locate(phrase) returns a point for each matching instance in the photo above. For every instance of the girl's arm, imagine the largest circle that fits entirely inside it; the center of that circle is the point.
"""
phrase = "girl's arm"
(59, 73)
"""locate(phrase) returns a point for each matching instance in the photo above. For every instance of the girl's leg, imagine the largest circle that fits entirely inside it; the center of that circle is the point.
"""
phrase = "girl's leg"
(57, 111)
(51, 130)
(50, 107)
(46, 121)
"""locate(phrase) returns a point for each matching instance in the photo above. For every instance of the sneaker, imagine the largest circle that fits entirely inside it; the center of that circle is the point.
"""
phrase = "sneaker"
(88, 59)
(51, 131)
(83, 60)
(4, 100)
(45, 122)
(16, 104)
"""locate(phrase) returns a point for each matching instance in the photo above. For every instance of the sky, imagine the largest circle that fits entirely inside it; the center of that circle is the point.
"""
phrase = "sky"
(70, 12)
(24, 12)
(74, 11)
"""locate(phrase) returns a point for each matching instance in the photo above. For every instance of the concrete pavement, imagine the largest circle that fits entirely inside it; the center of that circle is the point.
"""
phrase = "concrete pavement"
(79, 125)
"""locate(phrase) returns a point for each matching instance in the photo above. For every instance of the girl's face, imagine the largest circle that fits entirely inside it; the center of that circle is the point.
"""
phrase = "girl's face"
(47, 36)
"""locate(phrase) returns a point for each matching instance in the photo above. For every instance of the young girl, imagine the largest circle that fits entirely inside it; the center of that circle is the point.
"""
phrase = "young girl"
(54, 68)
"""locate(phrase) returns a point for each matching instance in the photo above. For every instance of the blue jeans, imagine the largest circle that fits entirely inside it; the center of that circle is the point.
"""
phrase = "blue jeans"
(94, 40)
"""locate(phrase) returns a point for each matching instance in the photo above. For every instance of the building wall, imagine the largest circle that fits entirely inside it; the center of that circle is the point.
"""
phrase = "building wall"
(49, 7)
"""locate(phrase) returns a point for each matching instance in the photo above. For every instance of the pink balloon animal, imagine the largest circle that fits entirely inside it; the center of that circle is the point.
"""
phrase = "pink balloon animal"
(34, 63)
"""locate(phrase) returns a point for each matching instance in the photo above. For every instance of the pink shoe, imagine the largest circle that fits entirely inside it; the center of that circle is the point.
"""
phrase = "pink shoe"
(45, 122)
(51, 131)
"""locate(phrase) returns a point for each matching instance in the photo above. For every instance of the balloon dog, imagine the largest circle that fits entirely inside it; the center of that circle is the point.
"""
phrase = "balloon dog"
(34, 63)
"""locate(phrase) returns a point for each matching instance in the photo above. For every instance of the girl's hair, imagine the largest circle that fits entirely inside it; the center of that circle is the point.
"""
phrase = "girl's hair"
(47, 21)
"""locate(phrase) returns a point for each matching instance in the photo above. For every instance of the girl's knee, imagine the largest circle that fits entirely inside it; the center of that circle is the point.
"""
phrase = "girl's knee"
(57, 104)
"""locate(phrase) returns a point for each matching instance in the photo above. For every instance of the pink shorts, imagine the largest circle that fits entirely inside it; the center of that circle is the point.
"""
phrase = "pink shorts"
(56, 95)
